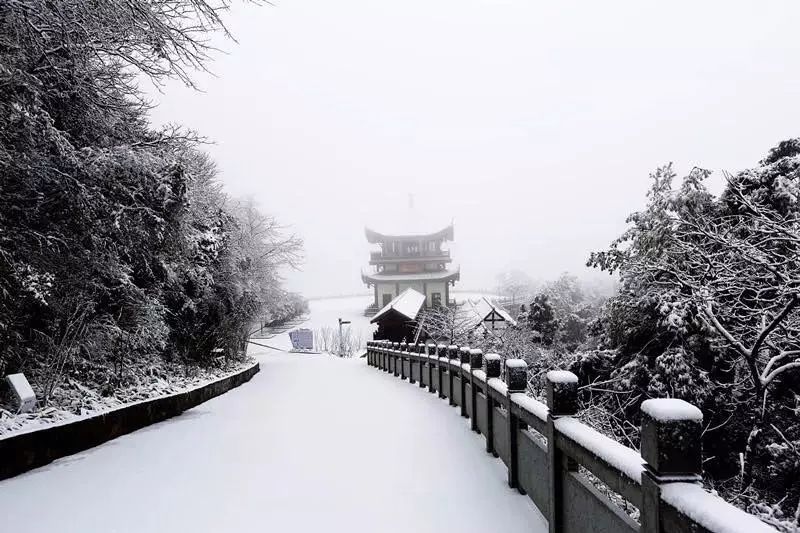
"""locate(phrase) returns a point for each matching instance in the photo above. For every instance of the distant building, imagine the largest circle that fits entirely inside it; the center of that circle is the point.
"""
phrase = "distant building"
(490, 316)
(410, 259)
(397, 319)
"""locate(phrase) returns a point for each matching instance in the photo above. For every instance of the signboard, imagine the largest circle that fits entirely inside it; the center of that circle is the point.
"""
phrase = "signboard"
(302, 339)
(410, 268)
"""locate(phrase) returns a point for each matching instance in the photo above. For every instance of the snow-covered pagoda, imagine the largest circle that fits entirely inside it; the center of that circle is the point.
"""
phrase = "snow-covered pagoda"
(415, 259)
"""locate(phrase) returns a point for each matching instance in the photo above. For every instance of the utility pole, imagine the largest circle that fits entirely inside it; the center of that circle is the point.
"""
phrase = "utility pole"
(341, 339)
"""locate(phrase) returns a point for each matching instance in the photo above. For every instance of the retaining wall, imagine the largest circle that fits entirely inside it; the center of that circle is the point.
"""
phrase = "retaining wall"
(25, 451)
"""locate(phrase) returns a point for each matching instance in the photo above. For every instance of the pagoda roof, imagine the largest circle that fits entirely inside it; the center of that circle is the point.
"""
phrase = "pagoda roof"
(440, 275)
(407, 304)
(409, 233)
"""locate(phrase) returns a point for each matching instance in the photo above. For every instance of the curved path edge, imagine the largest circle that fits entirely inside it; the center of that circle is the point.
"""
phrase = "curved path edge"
(25, 451)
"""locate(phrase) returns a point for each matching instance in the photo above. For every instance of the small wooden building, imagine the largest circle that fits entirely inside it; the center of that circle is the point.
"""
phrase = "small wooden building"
(490, 317)
(397, 320)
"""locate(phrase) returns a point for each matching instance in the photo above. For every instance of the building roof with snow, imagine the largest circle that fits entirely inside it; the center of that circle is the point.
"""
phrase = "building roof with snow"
(486, 310)
(450, 274)
(406, 305)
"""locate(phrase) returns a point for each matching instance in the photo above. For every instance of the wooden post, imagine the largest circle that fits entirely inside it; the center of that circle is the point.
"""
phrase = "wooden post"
(441, 351)
(464, 353)
(562, 399)
(671, 436)
(452, 353)
(475, 362)
(517, 382)
(492, 366)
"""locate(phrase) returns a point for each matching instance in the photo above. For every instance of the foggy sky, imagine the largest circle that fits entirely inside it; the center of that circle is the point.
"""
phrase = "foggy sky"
(534, 125)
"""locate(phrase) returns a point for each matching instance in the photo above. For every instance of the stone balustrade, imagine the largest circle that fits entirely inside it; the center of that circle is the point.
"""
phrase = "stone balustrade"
(561, 463)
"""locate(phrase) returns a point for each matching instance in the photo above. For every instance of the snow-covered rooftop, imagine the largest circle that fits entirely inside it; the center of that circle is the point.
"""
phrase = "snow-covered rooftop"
(483, 307)
(424, 276)
(407, 303)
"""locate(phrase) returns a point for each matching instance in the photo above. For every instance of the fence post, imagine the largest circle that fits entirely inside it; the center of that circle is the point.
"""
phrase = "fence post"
(452, 353)
(671, 436)
(492, 365)
(441, 351)
(403, 355)
(418, 349)
(393, 358)
(394, 355)
(562, 400)
(411, 367)
(475, 362)
(464, 379)
(516, 382)
(430, 348)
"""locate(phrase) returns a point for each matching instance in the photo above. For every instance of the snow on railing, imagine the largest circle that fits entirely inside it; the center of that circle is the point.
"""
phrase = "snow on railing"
(663, 481)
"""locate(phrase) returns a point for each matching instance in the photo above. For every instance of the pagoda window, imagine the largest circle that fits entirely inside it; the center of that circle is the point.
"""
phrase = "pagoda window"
(436, 299)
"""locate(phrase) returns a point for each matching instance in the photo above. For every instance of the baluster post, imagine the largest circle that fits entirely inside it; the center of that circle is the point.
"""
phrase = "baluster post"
(404, 355)
(422, 362)
(464, 353)
(562, 400)
(431, 353)
(671, 437)
(411, 354)
(441, 351)
(517, 383)
(452, 353)
(475, 363)
(492, 366)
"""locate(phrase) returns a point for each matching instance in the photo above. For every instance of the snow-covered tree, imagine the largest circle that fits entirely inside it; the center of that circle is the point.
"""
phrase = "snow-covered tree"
(709, 308)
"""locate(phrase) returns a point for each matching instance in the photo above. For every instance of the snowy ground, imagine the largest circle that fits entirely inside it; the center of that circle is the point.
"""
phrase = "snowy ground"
(312, 443)
(325, 312)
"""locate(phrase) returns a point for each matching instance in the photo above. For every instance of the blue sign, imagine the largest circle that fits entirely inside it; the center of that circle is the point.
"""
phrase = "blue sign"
(302, 339)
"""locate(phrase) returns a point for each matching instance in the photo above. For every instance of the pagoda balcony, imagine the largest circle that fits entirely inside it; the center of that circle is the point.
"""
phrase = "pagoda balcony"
(379, 257)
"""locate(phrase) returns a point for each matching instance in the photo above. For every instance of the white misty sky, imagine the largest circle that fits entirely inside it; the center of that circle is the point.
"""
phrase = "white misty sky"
(534, 125)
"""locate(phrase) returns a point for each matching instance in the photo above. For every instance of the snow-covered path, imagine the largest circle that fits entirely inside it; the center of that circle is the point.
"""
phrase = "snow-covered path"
(312, 443)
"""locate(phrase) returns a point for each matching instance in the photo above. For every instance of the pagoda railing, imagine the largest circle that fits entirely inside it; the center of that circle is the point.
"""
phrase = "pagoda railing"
(384, 256)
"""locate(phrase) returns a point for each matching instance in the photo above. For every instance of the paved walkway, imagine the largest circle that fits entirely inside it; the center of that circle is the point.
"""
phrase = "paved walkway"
(312, 443)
